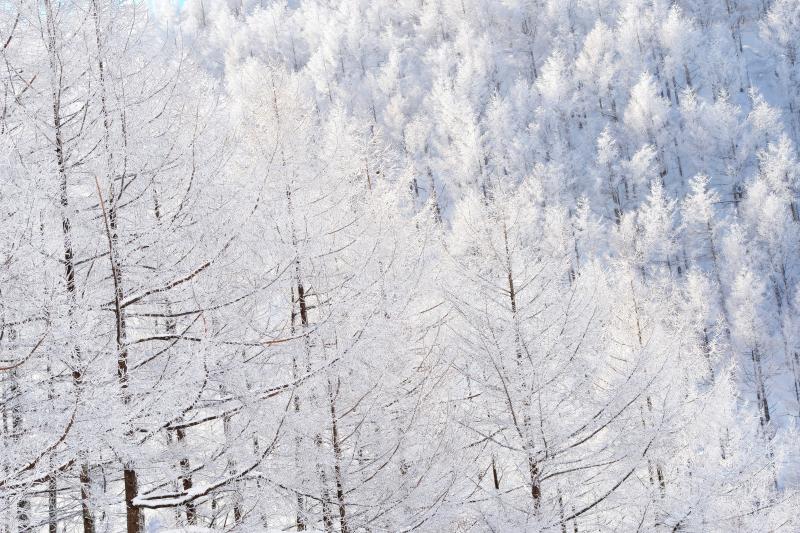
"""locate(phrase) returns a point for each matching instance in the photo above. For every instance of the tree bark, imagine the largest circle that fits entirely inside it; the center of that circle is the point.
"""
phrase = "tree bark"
(186, 479)
(66, 228)
(337, 464)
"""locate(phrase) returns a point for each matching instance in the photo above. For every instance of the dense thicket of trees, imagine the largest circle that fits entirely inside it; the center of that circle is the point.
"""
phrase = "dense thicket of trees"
(435, 265)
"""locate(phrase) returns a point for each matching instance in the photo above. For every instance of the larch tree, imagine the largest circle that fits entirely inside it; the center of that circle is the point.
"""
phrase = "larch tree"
(438, 265)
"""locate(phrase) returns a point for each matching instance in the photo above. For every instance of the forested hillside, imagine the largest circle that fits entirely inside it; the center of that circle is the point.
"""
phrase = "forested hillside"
(355, 266)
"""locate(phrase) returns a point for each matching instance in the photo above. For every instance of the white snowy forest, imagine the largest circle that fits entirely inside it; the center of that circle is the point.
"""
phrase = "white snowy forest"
(361, 266)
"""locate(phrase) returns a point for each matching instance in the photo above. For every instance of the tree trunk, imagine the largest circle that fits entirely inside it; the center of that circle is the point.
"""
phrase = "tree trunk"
(337, 464)
(134, 515)
(761, 389)
(86, 511)
(186, 479)
(66, 227)
(300, 518)
(23, 505)
(52, 504)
